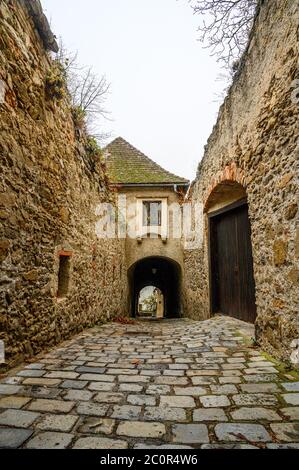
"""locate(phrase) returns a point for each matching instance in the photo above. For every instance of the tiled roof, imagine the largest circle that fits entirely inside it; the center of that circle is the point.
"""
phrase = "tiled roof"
(127, 165)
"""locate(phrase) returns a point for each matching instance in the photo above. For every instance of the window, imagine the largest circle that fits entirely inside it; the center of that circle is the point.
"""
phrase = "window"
(152, 218)
(63, 275)
(152, 213)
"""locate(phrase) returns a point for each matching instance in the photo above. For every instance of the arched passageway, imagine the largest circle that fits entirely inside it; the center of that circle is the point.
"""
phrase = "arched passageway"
(161, 273)
(231, 264)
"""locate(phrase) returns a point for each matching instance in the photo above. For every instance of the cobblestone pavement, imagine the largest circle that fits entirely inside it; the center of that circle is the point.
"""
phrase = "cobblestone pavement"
(174, 384)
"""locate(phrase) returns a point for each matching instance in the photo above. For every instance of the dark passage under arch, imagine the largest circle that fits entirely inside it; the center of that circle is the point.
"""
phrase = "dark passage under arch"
(163, 273)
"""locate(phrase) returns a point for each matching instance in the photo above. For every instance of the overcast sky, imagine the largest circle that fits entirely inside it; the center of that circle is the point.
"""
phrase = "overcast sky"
(164, 90)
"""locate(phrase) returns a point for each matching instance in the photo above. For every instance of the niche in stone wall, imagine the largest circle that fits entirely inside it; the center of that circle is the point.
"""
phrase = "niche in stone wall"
(64, 274)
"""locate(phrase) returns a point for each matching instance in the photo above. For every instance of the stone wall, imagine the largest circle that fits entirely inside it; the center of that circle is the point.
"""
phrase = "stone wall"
(255, 143)
(49, 188)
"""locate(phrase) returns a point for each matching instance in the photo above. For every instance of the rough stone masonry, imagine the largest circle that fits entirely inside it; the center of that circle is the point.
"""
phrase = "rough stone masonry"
(255, 144)
(50, 186)
(49, 189)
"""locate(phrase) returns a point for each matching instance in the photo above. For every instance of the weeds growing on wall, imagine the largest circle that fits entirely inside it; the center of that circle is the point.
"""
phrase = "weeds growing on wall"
(93, 149)
(56, 82)
(79, 118)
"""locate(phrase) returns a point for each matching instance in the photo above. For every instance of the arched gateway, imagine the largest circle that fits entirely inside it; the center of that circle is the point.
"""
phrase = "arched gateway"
(162, 273)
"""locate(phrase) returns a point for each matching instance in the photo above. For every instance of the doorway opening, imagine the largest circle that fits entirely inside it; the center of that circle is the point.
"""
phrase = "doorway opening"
(155, 288)
(151, 303)
(231, 264)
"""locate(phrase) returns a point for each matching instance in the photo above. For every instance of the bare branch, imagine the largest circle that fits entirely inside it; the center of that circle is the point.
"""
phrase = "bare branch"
(225, 26)
(87, 90)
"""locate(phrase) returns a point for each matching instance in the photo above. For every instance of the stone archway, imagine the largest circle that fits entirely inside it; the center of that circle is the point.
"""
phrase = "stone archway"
(227, 186)
(162, 273)
(232, 285)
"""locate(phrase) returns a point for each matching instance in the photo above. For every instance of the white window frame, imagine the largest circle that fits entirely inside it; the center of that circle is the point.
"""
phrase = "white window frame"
(160, 230)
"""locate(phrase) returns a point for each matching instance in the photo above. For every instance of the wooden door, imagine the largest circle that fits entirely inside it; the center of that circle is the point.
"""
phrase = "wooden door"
(232, 280)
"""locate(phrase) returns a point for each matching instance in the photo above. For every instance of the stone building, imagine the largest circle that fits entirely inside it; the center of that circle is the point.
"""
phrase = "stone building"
(152, 197)
(58, 277)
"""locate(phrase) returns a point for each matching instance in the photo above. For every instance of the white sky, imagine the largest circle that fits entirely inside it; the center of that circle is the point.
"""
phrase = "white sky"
(145, 293)
(164, 90)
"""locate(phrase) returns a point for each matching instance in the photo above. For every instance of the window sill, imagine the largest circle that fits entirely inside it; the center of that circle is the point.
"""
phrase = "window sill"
(140, 238)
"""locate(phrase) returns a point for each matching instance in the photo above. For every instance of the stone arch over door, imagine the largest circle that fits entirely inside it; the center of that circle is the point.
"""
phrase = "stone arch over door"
(227, 186)
(231, 275)
(164, 274)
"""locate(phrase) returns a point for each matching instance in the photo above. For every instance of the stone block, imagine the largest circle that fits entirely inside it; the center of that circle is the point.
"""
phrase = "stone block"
(209, 415)
(18, 418)
(99, 443)
(51, 406)
(288, 432)
(242, 432)
(50, 440)
(190, 433)
(92, 409)
(12, 438)
(215, 401)
(141, 429)
(63, 423)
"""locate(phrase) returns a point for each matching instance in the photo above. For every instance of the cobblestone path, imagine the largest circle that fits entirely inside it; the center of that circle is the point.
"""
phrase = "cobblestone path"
(174, 384)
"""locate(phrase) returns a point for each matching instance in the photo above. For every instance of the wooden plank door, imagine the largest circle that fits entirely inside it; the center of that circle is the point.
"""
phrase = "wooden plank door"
(233, 287)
